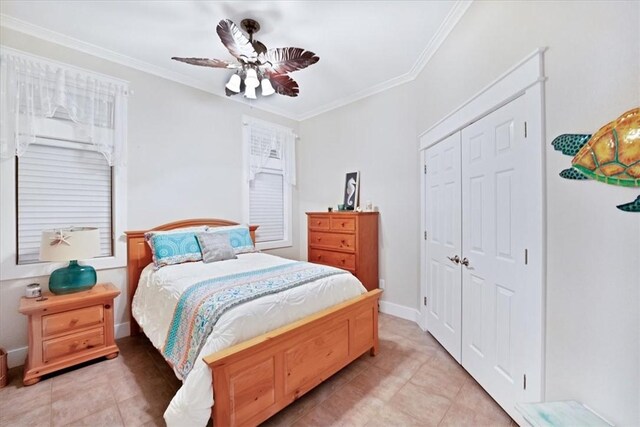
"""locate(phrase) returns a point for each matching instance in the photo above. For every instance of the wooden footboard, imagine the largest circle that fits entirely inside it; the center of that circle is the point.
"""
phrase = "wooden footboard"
(257, 378)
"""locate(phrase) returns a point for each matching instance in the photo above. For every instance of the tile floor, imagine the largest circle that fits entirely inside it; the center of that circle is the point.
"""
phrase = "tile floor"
(411, 382)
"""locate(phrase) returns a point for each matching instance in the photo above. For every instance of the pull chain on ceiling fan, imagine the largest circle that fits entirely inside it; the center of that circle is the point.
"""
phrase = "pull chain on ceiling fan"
(257, 66)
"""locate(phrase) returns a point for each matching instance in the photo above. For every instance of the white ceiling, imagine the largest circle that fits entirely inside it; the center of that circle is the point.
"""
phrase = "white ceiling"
(364, 46)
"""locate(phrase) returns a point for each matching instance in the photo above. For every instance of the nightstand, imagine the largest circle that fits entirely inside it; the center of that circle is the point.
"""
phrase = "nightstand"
(65, 330)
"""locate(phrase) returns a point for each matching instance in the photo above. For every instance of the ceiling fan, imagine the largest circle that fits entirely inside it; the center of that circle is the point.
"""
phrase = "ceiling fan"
(257, 65)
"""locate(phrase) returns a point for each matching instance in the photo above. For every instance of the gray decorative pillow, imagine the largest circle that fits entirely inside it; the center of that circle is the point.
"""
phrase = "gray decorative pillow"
(215, 247)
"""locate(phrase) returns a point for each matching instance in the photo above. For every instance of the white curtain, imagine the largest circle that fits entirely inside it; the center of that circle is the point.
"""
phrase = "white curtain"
(34, 90)
(268, 147)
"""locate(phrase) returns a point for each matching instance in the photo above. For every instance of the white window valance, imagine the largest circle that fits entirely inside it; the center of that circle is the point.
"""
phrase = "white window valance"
(36, 90)
(270, 147)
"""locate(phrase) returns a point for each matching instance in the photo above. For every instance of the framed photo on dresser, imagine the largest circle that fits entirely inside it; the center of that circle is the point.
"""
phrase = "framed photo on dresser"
(352, 191)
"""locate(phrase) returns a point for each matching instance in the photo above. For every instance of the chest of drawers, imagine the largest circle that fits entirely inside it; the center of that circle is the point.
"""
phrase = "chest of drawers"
(65, 330)
(348, 240)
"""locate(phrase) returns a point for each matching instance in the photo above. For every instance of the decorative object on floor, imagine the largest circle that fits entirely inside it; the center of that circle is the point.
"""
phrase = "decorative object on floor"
(351, 191)
(3, 368)
(611, 155)
(71, 244)
(564, 413)
(258, 66)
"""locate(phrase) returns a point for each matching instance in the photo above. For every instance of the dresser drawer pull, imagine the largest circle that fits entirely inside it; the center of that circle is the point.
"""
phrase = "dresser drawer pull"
(342, 224)
(319, 222)
(107, 306)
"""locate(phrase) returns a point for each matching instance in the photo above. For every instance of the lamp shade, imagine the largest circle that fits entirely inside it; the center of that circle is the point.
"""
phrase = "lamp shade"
(252, 79)
(70, 244)
(234, 83)
(250, 92)
(267, 89)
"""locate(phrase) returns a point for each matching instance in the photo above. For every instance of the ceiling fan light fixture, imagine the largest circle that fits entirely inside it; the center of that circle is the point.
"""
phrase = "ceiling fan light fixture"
(267, 88)
(250, 92)
(256, 64)
(252, 79)
(234, 83)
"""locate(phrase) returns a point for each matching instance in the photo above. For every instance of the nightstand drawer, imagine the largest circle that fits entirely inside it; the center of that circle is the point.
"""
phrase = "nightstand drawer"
(72, 344)
(318, 222)
(336, 259)
(54, 324)
(345, 242)
(343, 224)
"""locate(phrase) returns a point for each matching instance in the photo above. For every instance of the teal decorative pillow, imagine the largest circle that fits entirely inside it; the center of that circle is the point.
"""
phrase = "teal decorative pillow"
(239, 237)
(174, 246)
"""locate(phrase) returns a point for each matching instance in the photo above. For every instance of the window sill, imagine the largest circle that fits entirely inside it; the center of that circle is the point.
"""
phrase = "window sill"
(278, 244)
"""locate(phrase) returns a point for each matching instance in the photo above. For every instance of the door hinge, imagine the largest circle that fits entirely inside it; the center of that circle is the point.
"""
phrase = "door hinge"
(524, 382)
(425, 168)
(525, 129)
(526, 256)
(425, 235)
(425, 300)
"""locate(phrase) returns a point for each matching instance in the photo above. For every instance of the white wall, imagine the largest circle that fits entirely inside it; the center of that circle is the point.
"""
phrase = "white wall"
(593, 249)
(379, 141)
(184, 161)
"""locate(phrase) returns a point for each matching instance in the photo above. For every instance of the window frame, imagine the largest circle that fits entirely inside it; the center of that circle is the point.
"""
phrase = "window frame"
(287, 190)
(52, 130)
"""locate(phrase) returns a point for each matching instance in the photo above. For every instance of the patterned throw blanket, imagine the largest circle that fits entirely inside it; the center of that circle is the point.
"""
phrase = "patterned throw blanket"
(202, 305)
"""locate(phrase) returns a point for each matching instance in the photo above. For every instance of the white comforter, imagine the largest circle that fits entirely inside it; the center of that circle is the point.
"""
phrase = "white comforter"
(158, 293)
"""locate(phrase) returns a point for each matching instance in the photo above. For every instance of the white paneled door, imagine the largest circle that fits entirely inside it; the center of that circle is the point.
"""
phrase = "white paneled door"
(442, 212)
(494, 232)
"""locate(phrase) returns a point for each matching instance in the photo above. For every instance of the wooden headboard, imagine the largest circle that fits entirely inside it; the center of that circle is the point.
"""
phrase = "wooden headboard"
(139, 253)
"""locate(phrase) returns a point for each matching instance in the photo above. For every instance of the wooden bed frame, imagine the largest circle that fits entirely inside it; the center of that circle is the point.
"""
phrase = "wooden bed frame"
(257, 378)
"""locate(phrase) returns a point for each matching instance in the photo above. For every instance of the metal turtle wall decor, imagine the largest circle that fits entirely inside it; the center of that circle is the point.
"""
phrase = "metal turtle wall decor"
(611, 155)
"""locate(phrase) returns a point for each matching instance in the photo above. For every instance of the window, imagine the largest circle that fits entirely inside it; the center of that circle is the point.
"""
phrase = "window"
(61, 184)
(270, 175)
(62, 148)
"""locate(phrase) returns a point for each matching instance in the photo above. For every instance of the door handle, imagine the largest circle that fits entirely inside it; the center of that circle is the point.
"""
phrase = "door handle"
(455, 259)
(465, 262)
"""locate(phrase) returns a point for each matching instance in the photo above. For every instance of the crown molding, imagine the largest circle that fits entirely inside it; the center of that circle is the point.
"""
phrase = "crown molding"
(436, 41)
(434, 44)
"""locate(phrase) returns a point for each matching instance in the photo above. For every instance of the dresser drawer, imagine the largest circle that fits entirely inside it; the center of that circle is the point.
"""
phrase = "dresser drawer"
(345, 242)
(54, 324)
(336, 259)
(72, 344)
(343, 223)
(318, 222)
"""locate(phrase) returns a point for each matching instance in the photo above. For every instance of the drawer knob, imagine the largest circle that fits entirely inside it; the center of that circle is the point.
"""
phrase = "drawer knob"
(319, 222)
(107, 306)
(74, 321)
(343, 224)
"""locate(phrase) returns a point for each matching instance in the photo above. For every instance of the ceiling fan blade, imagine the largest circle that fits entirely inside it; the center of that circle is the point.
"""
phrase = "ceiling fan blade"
(235, 41)
(283, 84)
(288, 59)
(205, 62)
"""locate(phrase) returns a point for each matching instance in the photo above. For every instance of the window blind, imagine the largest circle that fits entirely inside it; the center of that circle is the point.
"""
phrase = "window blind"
(61, 187)
(266, 206)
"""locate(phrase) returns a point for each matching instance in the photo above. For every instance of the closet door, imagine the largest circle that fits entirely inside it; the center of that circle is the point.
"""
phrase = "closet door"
(494, 156)
(444, 287)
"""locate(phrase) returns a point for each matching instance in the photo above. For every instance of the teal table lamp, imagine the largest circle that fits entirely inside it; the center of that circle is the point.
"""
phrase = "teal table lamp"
(71, 244)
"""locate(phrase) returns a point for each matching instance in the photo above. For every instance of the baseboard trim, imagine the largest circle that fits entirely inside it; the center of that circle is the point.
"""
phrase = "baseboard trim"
(17, 356)
(122, 330)
(400, 311)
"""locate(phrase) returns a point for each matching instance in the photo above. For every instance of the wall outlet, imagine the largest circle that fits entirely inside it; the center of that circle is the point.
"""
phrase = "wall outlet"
(381, 284)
